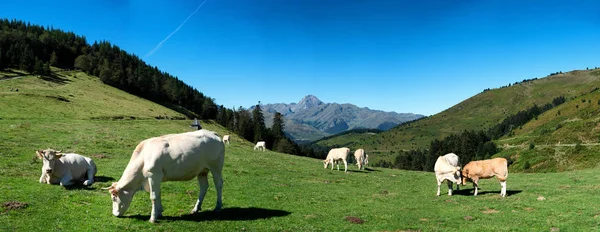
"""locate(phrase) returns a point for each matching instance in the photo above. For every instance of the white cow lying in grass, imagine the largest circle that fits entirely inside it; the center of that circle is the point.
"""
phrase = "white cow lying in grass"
(173, 157)
(361, 159)
(335, 155)
(447, 168)
(226, 139)
(64, 169)
(260, 145)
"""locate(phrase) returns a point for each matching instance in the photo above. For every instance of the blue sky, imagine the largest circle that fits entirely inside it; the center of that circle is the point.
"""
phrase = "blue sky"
(392, 55)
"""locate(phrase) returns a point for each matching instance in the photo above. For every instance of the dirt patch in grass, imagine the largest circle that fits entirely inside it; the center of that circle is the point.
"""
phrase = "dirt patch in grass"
(13, 205)
(99, 156)
(354, 220)
(529, 209)
(468, 218)
(489, 211)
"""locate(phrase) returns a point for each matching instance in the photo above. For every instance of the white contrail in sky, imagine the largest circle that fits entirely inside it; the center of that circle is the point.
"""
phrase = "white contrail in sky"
(173, 33)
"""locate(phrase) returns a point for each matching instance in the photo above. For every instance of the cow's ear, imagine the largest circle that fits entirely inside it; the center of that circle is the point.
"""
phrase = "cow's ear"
(58, 155)
(39, 154)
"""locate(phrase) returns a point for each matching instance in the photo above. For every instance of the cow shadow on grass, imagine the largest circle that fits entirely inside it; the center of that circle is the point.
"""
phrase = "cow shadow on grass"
(471, 191)
(97, 179)
(103, 179)
(226, 214)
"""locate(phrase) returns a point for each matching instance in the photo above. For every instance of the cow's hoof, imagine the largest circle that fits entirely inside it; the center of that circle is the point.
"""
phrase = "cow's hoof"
(87, 183)
(153, 220)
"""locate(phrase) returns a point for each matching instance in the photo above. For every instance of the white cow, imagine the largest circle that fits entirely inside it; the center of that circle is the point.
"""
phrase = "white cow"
(361, 159)
(335, 155)
(260, 145)
(366, 160)
(447, 168)
(173, 157)
(226, 139)
(64, 169)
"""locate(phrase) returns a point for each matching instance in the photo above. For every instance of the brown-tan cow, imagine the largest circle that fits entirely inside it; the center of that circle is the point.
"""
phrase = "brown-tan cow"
(485, 169)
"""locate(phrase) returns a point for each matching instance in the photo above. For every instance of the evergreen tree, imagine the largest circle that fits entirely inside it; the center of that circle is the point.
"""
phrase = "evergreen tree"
(47, 70)
(259, 124)
(278, 126)
(39, 67)
(54, 59)
(2, 62)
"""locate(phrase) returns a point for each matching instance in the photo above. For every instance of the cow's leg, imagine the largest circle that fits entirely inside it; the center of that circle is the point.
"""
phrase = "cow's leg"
(345, 165)
(439, 183)
(90, 175)
(67, 179)
(154, 180)
(503, 191)
(203, 182)
(475, 186)
(449, 188)
(43, 178)
(218, 180)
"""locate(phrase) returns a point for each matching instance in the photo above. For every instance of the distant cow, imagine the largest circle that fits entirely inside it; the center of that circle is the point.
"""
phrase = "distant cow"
(63, 169)
(336, 155)
(485, 169)
(226, 139)
(447, 168)
(173, 157)
(361, 159)
(260, 145)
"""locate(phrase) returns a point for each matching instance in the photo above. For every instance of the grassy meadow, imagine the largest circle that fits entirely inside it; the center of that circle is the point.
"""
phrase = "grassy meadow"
(263, 191)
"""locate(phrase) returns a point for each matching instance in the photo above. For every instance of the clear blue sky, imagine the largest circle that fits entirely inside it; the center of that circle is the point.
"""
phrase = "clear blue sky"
(392, 55)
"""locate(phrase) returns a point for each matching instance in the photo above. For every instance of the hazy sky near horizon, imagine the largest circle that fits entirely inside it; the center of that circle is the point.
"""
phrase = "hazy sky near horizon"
(392, 55)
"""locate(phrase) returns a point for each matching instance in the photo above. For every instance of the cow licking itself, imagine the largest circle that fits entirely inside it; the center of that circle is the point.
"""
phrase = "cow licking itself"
(173, 157)
(447, 168)
(485, 169)
(64, 169)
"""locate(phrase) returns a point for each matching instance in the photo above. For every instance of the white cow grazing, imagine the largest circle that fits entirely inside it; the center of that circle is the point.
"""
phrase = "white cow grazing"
(366, 160)
(359, 156)
(226, 139)
(173, 157)
(335, 155)
(64, 169)
(260, 145)
(447, 168)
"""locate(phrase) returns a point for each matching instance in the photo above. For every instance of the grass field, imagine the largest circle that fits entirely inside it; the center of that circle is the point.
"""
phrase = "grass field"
(263, 191)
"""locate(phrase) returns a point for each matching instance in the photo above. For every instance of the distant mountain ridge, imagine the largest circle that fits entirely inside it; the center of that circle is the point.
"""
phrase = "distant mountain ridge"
(311, 119)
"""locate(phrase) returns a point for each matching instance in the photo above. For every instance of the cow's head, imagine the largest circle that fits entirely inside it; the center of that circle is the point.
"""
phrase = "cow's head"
(465, 175)
(48, 158)
(458, 176)
(325, 163)
(366, 160)
(121, 199)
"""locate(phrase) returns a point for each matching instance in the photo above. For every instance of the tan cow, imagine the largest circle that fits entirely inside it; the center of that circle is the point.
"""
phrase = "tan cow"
(173, 157)
(485, 169)
(335, 155)
(361, 159)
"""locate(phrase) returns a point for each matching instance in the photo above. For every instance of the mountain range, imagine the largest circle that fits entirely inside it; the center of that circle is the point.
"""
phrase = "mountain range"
(311, 119)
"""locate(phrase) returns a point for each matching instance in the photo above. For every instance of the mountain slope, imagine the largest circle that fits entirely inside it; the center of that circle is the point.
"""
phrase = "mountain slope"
(479, 112)
(311, 119)
(73, 95)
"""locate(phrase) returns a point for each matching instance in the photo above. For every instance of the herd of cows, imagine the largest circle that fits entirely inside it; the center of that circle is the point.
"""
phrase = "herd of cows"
(181, 157)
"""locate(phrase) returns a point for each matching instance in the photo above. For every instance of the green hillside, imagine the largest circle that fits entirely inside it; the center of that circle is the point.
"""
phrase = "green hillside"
(72, 95)
(263, 191)
(479, 112)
